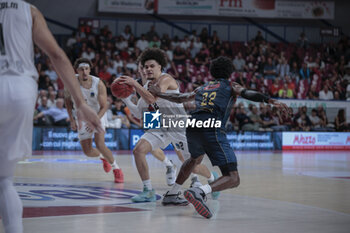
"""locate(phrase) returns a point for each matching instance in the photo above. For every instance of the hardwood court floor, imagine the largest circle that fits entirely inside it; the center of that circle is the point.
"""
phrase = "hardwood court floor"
(279, 192)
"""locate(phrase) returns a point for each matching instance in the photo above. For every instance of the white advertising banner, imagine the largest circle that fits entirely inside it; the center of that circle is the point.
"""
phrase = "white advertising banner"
(187, 7)
(315, 141)
(126, 6)
(304, 9)
(247, 8)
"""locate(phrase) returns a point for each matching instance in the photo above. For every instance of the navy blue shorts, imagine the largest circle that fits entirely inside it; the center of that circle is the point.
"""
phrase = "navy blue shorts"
(212, 142)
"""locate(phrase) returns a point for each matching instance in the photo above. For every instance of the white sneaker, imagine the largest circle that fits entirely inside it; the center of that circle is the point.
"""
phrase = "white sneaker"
(171, 174)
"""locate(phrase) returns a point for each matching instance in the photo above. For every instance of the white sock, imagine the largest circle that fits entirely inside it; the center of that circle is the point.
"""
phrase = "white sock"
(212, 178)
(175, 189)
(167, 162)
(206, 188)
(147, 184)
(194, 175)
(11, 208)
(101, 156)
(115, 165)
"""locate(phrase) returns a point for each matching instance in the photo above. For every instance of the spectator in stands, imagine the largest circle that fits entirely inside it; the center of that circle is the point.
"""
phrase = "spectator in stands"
(142, 43)
(239, 62)
(278, 120)
(325, 93)
(154, 43)
(315, 120)
(116, 115)
(193, 35)
(245, 123)
(282, 68)
(52, 98)
(255, 118)
(340, 121)
(346, 76)
(88, 54)
(126, 34)
(51, 73)
(117, 62)
(204, 35)
(165, 40)
(179, 56)
(304, 72)
(270, 70)
(274, 88)
(121, 43)
(104, 75)
(285, 92)
(259, 37)
(312, 93)
(58, 113)
(303, 42)
(151, 33)
(201, 59)
(266, 117)
(185, 43)
(42, 107)
(45, 82)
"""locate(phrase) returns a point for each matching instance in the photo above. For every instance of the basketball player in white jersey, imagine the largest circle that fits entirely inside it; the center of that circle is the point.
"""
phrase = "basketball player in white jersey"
(158, 153)
(95, 94)
(154, 60)
(20, 25)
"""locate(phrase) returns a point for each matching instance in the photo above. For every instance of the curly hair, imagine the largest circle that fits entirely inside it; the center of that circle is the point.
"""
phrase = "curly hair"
(221, 67)
(154, 54)
(82, 60)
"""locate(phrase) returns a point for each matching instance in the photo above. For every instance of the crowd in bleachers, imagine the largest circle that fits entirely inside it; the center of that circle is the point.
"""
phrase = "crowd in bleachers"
(299, 70)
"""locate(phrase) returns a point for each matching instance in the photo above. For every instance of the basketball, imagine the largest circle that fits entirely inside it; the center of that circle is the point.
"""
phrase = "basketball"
(120, 90)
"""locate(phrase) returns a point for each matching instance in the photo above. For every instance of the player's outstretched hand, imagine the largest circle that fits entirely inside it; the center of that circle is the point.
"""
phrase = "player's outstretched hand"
(89, 116)
(281, 106)
(154, 89)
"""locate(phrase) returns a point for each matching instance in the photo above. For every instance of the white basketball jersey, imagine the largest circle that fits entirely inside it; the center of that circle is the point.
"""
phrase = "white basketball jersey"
(168, 107)
(16, 45)
(90, 95)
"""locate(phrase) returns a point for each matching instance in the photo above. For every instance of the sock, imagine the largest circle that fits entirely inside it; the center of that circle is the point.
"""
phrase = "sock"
(167, 162)
(115, 165)
(175, 189)
(194, 175)
(147, 184)
(10, 206)
(206, 188)
(101, 156)
(212, 178)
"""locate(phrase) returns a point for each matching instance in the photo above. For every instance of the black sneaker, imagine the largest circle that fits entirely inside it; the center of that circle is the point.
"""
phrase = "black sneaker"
(174, 199)
(196, 197)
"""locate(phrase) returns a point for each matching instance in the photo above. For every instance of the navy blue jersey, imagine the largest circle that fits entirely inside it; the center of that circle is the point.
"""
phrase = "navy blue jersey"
(214, 100)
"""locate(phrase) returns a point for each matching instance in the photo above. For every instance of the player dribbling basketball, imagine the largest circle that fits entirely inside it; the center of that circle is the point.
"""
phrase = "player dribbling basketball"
(95, 94)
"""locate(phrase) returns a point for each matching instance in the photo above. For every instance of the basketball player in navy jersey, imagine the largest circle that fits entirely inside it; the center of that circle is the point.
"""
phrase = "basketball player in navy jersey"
(21, 24)
(213, 101)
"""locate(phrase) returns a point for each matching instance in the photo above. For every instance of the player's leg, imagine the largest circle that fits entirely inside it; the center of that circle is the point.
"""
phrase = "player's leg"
(10, 206)
(17, 102)
(170, 175)
(108, 157)
(150, 141)
(220, 154)
(88, 149)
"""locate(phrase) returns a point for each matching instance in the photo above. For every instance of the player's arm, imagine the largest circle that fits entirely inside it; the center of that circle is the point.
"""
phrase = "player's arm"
(69, 106)
(144, 93)
(173, 97)
(102, 99)
(136, 110)
(258, 97)
(45, 40)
